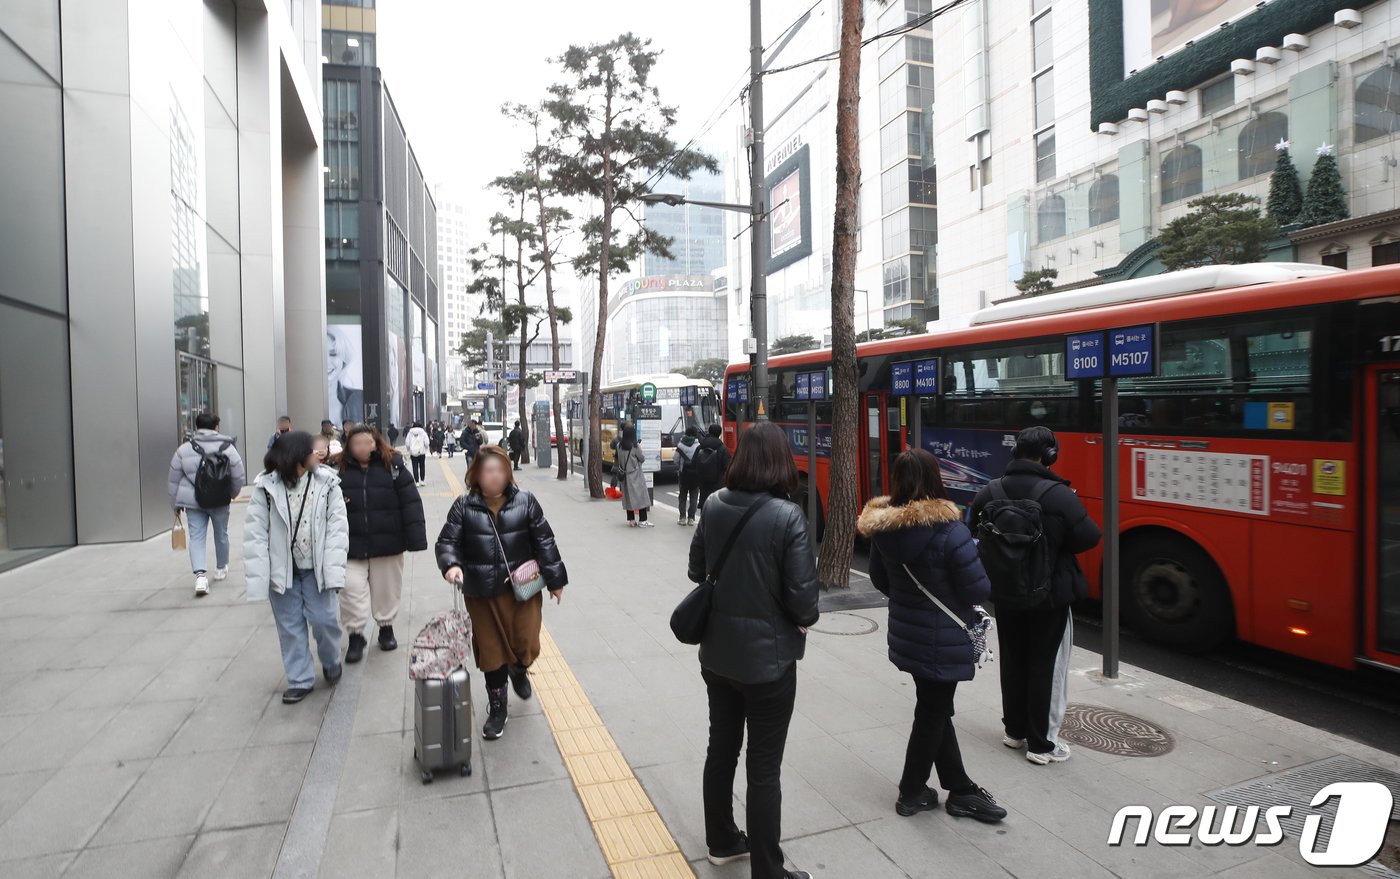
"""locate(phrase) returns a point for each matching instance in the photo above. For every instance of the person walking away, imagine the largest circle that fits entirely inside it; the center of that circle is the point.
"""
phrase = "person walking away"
(688, 477)
(386, 521)
(295, 539)
(517, 444)
(919, 548)
(1033, 597)
(764, 599)
(284, 426)
(490, 532)
(332, 438)
(449, 442)
(393, 435)
(416, 444)
(711, 461)
(435, 439)
(206, 474)
(636, 500)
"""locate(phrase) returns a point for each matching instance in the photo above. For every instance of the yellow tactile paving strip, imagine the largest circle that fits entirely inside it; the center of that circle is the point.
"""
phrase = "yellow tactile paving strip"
(633, 838)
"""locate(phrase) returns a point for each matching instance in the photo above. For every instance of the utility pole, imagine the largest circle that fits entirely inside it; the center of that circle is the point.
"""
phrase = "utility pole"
(758, 203)
(490, 373)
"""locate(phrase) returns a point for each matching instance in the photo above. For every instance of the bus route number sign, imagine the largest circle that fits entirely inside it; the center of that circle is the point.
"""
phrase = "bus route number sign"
(1132, 351)
(1084, 356)
(902, 379)
(689, 396)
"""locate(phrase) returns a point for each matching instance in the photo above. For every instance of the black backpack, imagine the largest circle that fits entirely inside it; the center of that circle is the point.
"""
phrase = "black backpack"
(706, 464)
(213, 479)
(1014, 550)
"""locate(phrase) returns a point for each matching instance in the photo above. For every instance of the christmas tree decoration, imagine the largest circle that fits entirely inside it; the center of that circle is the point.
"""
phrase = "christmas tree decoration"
(1326, 199)
(1285, 189)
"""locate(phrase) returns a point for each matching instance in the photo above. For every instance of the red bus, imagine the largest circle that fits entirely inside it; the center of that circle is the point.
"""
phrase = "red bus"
(1260, 466)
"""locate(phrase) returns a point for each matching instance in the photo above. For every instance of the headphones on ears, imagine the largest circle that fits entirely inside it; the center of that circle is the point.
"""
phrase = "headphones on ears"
(1052, 452)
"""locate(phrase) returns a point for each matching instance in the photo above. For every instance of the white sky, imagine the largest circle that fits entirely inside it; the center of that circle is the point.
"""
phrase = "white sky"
(450, 64)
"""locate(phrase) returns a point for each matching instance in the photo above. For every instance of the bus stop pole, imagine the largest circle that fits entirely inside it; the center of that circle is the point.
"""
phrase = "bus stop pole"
(812, 505)
(1110, 527)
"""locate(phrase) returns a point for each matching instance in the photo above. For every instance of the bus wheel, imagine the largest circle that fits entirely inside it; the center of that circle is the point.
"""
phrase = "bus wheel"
(800, 496)
(1174, 594)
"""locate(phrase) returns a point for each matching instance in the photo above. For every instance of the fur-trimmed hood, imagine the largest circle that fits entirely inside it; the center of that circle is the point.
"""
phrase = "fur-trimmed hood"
(880, 516)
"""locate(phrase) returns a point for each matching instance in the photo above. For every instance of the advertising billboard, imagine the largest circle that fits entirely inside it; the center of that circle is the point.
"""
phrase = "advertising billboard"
(1158, 28)
(790, 211)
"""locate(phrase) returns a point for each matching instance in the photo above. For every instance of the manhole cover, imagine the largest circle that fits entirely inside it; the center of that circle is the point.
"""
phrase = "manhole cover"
(845, 624)
(1296, 787)
(1113, 732)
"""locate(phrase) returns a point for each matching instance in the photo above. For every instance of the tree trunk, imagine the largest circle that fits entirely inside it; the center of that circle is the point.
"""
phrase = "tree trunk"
(520, 387)
(595, 396)
(843, 496)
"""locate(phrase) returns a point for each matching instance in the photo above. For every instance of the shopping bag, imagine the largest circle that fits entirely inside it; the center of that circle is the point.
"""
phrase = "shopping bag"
(177, 534)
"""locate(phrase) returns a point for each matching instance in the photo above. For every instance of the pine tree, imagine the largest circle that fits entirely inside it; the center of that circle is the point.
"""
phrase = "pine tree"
(1285, 189)
(1326, 201)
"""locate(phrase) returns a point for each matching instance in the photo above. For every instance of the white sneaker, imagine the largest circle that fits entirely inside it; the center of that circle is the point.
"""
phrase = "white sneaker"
(201, 586)
(1009, 742)
(1059, 755)
(221, 573)
(646, 524)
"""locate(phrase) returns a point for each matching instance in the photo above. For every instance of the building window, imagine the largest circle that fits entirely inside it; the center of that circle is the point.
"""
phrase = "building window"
(343, 47)
(1378, 104)
(1045, 155)
(1336, 260)
(1218, 95)
(1257, 153)
(1050, 219)
(1181, 173)
(919, 88)
(923, 182)
(1103, 200)
(1042, 45)
(342, 230)
(1385, 254)
(1044, 99)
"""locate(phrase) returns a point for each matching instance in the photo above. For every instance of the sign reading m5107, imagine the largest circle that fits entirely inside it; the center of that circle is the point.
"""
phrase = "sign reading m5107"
(1132, 351)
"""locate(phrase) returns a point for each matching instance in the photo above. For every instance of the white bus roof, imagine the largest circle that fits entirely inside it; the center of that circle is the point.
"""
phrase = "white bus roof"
(1154, 287)
(662, 381)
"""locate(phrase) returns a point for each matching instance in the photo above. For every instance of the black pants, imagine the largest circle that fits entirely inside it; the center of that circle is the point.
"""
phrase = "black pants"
(706, 488)
(515, 459)
(420, 467)
(641, 513)
(767, 709)
(933, 742)
(690, 494)
(1030, 642)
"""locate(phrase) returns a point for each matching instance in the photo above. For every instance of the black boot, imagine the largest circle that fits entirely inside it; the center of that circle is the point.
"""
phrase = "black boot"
(520, 680)
(386, 638)
(975, 803)
(355, 648)
(495, 724)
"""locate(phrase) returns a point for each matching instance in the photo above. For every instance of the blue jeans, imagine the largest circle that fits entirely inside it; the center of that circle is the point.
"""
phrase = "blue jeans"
(301, 605)
(198, 520)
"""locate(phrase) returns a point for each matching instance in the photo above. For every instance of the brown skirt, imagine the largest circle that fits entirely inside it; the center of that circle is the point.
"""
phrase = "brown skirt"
(505, 631)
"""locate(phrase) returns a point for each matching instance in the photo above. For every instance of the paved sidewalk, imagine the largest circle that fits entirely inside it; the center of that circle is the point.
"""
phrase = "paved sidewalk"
(141, 734)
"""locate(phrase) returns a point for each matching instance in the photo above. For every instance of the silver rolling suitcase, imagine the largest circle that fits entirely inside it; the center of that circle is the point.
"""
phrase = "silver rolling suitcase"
(442, 696)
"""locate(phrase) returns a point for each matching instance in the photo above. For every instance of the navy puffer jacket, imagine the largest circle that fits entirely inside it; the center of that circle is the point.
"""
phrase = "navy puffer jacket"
(929, 537)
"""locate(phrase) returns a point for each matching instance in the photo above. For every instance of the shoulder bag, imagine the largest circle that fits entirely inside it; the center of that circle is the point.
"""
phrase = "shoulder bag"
(976, 633)
(692, 615)
(525, 580)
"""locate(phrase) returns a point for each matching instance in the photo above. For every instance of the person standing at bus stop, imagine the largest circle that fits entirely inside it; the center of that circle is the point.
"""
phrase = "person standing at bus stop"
(635, 497)
(1036, 640)
(710, 461)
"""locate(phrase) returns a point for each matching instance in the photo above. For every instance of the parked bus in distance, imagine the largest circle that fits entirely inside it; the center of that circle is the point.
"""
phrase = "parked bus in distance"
(621, 397)
(1259, 466)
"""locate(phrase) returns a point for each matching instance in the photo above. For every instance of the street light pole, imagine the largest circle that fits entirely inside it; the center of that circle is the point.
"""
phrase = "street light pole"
(758, 284)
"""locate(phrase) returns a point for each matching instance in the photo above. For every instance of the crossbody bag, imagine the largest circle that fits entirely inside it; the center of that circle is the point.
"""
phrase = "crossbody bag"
(976, 632)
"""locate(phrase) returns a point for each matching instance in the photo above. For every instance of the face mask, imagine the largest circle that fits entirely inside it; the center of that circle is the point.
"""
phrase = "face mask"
(1037, 410)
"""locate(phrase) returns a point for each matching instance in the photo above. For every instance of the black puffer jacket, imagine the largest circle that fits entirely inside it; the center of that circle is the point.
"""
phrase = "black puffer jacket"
(1066, 524)
(384, 508)
(928, 537)
(468, 541)
(767, 589)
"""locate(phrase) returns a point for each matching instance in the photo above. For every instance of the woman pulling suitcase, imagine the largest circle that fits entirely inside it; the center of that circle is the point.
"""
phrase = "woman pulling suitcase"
(498, 548)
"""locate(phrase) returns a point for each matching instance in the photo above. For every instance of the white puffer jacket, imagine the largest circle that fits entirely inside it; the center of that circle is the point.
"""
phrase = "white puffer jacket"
(267, 540)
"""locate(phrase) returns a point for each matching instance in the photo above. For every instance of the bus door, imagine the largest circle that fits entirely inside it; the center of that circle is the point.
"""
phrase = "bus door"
(1381, 629)
(881, 442)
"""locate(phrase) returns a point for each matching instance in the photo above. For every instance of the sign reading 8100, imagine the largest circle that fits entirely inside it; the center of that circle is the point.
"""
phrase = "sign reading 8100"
(1084, 356)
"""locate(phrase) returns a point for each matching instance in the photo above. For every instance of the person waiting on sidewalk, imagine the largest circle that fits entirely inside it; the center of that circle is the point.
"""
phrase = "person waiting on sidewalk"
(1036, 641)
(628, 461)
(295, 539)
(688, 476)
(764, 598)
(205, 501)
(516, 440)
(918, 542)
(435, 437)
(416, 443)
(386, 521)
(491, 531)
(284, 427)
(711, 461)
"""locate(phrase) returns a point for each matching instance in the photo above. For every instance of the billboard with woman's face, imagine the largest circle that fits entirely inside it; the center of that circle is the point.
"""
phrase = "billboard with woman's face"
(345, 380)
(1160, 27)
